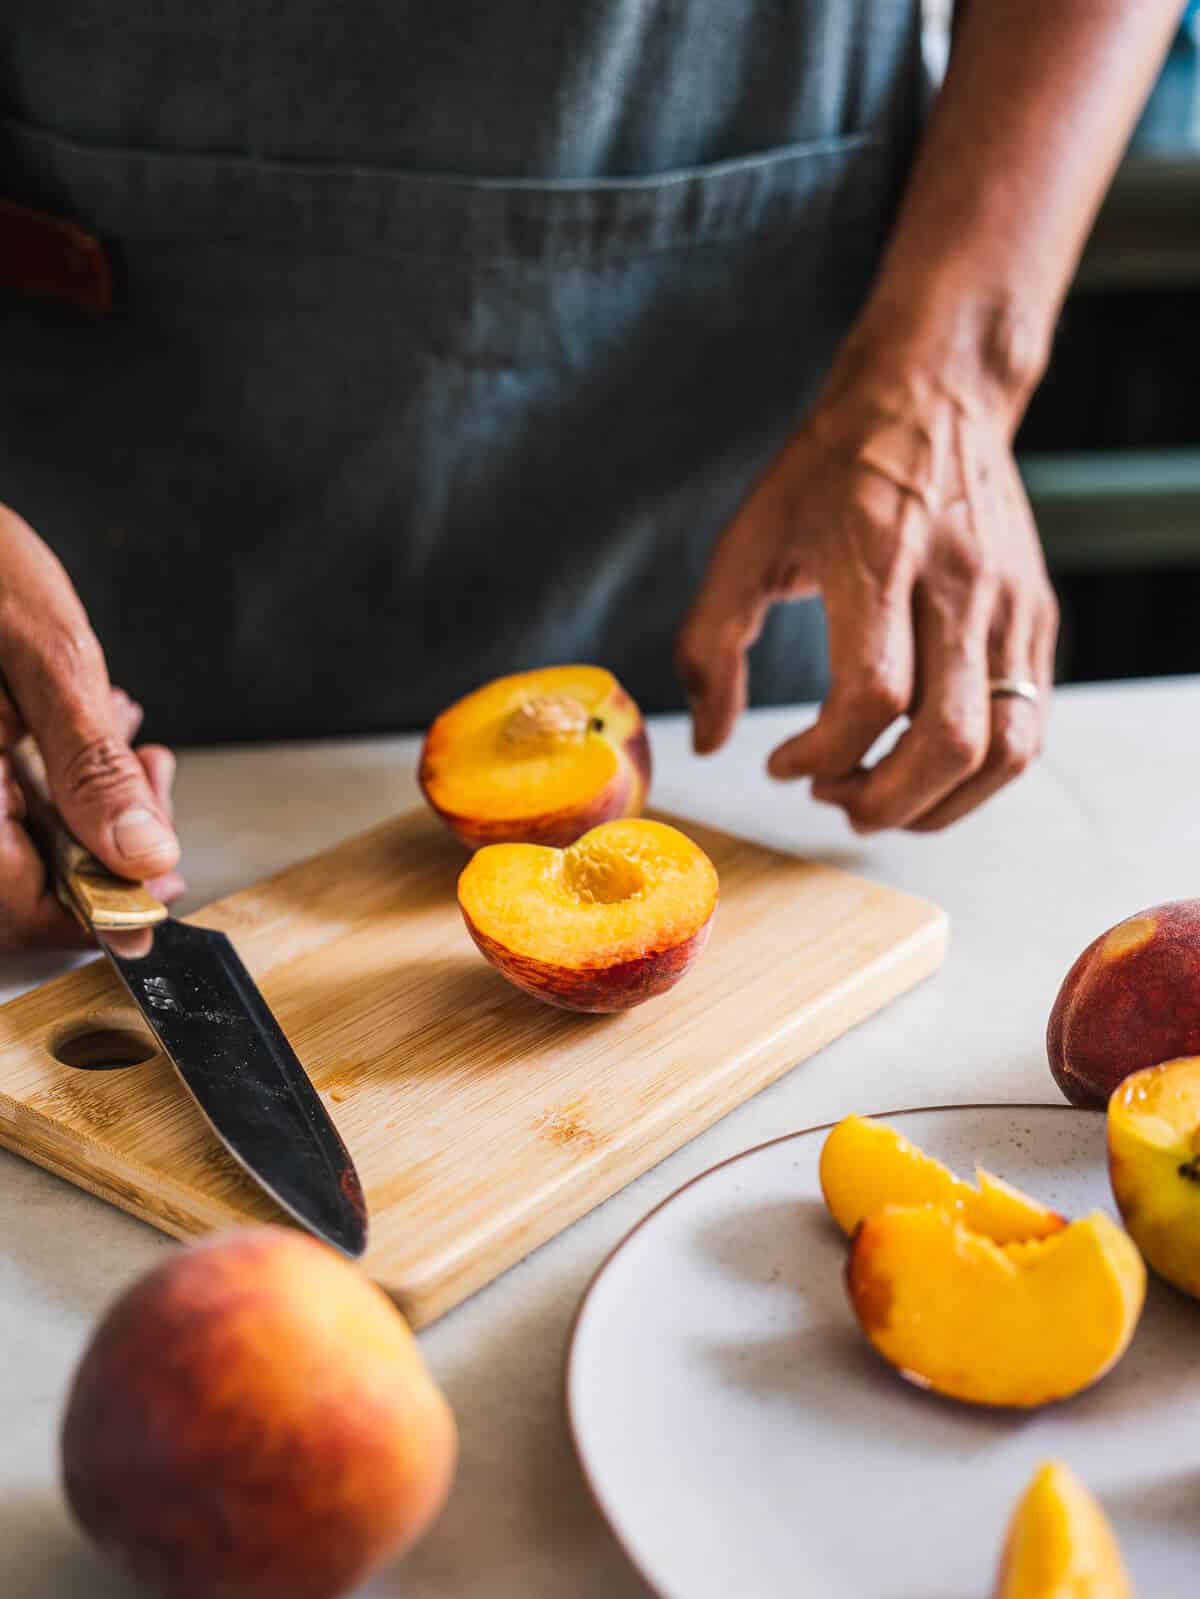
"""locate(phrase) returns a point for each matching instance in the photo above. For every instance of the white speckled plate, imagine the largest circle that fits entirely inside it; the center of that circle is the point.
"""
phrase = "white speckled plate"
(744, 1442)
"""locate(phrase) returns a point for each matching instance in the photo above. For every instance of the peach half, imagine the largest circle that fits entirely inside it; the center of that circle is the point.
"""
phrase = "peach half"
(1154, 1166)
(537, 758)
(995, 1324)
(613, 920)
(866, 1165)
(1059, 1544)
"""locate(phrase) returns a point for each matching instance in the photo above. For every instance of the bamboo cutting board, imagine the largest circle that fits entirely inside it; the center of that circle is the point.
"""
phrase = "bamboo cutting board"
(481, 1121)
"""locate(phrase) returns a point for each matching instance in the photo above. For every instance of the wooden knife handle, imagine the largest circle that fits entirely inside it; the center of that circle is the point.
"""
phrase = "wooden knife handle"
(97, 897)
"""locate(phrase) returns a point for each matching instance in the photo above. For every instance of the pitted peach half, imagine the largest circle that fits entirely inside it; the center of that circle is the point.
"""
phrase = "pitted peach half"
(995, 1324)
(613, 920)
(537, 758)
(1154, 1166)
(866, 1165)
(1060, 1544)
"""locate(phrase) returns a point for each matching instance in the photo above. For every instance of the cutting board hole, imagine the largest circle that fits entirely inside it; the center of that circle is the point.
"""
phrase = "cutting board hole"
(105, 1048)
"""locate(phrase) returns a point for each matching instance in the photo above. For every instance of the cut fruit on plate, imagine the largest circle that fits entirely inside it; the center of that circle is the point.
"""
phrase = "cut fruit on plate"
(618, 917)
(1060, 1545)
(538, 757)
(1154, 1166)
(1015, 1324)
(866, 1165)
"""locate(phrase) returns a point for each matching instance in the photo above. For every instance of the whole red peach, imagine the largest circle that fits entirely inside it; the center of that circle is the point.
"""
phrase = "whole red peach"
(252, 1419)
(1131, 1000)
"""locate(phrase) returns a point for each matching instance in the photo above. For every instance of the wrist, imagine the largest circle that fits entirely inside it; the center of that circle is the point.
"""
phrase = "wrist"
(986, 354)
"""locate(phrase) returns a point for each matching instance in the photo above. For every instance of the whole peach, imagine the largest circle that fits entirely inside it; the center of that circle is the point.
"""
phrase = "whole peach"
(254, 1418)
(1131, 1000)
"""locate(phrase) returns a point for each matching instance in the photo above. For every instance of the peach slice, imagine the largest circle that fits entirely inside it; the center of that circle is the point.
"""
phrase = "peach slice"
(1128, 1002)
(611, 921)
(537, 758)
(866, 1165)
(1154, 1166)
(995, 1324)
(1059, 1544)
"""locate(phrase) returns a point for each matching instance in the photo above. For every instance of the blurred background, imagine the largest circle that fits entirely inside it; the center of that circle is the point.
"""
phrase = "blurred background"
(1110, 449)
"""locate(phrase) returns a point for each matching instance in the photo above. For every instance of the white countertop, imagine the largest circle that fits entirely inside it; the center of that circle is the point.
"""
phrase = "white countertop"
(1107, 823)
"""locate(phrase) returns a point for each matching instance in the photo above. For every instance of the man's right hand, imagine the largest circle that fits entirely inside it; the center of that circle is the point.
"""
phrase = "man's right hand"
(54, 685)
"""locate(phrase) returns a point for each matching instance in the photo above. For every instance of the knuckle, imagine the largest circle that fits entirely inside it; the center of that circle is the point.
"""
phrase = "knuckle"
(100, 770)
(866, 812)
(961, 741)
(1013, 748)
(879, 695)
(964, 564)
(69, 650)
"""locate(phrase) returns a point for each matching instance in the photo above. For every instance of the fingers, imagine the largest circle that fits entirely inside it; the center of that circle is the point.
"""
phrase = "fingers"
(757, 560)
(127, 714)
(12, 727)
(169, 888)
(158, 763)
(1021, 644)
(30, 915)
(1022, 648)
(947, 741)
(871, 661)
(159, 766)
(868, 610)
(710, 655)
(57, 679)
(1014, 743)
(54, 685)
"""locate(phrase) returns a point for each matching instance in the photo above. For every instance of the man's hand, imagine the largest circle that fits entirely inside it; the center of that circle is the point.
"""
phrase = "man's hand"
(900, 503)
(54, 684)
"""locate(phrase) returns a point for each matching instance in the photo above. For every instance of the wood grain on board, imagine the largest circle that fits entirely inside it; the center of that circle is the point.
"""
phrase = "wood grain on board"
(481, 1121)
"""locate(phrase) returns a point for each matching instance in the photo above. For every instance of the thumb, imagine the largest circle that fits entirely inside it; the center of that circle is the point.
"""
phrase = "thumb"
(105, 796)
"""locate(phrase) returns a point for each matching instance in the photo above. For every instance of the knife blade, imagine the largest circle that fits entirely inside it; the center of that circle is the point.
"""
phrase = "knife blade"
(215, 1028)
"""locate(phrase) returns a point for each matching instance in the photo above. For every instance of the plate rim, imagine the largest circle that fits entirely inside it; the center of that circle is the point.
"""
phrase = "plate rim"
(729, 1160)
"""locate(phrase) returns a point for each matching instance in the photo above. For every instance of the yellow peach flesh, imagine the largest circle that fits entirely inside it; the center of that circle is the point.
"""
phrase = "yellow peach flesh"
(1154, 1166)
(866, 1165)
(1060, 1545)
(533, 743)
(1013, 1325)
(621, 889)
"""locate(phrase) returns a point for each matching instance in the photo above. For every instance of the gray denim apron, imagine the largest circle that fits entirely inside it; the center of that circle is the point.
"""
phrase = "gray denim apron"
(446, 337)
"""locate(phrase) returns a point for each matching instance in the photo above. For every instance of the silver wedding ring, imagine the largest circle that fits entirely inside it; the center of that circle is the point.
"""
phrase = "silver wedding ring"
(1014, 688)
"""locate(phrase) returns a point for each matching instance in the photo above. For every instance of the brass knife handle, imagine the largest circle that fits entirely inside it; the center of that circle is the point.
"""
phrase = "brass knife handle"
(96, 897)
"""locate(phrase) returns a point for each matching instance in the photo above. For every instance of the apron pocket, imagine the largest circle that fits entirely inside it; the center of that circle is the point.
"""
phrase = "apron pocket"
(353, 440)
(135, 194)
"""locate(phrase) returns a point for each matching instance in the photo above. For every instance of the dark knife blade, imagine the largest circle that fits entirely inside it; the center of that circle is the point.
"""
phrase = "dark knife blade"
(220, 1035)
(214, 1026)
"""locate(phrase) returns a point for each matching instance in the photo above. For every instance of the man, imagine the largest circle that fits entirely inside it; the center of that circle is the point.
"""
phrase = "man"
(446, 340)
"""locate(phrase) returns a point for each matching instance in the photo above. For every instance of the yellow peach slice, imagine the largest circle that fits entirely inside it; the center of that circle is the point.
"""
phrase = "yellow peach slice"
(866, 1165)
(618, 917)
(1154, 1166)
(1060, 1545)
(995, 1324)
(537, 758)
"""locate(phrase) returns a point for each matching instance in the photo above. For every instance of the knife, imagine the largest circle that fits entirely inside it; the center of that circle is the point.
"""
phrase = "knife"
(215, 1028)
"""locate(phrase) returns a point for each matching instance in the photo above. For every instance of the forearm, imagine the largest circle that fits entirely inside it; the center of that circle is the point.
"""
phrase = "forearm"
(1035, 112)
